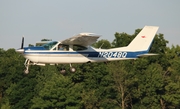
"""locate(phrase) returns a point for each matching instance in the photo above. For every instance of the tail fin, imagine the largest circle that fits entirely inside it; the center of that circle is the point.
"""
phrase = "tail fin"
(144, 39)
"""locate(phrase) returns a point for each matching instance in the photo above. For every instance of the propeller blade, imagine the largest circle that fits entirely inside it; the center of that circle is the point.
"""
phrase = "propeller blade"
(22, 43)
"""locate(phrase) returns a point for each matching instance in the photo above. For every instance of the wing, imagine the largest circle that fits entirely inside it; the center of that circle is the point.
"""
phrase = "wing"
(83, 39)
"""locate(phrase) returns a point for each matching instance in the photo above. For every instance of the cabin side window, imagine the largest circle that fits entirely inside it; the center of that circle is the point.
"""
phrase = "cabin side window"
(50, 45)
(78, 47)
(63, 47)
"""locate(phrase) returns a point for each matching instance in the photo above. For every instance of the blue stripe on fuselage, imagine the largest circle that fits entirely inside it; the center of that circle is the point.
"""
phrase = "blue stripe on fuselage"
(94, 54)
(34, 48)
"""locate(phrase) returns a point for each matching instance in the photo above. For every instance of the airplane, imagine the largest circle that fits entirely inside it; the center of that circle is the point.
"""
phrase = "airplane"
(77, 49)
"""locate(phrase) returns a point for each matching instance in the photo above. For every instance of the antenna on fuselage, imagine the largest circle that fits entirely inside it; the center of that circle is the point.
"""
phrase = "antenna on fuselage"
(101, 45)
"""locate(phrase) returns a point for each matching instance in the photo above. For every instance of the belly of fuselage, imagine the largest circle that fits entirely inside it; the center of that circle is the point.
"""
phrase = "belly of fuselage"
(58, 58)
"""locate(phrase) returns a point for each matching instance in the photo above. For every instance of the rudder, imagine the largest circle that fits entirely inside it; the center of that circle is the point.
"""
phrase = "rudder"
(144, 39)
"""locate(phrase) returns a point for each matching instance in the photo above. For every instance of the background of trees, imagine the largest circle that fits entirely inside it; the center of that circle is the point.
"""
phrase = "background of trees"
(151, 82)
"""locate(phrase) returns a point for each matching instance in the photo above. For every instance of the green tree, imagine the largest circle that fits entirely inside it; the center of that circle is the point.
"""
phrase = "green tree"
(97, 85)
(58, 92)
(121, 39)
(150, 86)
(21, 93)
(171, 98)
(124, 81)
(151, 82)
(30, 45)
(159, 44)
(46, 39)
(104, 44)
(16, 87)
(11, 64)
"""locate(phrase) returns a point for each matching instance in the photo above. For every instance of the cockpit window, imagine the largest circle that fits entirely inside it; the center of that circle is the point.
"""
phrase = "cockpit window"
(50, 45)
(63, 47)
(78, 47)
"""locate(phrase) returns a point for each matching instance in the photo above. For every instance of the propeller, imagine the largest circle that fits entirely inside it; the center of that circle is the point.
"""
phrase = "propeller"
(22, 43)
(21, 50)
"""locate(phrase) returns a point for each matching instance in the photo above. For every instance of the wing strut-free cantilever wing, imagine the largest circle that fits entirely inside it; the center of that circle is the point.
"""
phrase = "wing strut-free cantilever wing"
(83, 39)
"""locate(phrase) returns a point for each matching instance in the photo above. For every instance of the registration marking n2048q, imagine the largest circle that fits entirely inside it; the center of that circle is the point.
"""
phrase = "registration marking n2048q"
(112, 54)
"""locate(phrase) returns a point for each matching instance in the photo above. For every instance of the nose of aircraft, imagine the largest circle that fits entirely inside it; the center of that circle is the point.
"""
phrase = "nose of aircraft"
(20, 50)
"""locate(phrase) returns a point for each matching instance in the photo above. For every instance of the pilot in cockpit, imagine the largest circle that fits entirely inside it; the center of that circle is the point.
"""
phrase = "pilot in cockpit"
(60, 47)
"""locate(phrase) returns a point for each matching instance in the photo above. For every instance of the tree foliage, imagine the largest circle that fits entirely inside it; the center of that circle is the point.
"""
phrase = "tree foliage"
(151, 82)
(104, 44)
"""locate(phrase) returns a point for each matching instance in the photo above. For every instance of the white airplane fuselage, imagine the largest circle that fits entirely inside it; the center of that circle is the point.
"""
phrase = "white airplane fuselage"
(84, 56)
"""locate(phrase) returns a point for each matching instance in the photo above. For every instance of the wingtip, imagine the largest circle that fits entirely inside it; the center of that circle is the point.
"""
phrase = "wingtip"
(151, 26)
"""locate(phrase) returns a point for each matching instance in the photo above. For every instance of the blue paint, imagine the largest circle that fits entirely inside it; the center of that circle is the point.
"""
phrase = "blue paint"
(93, 54)
(34, 48)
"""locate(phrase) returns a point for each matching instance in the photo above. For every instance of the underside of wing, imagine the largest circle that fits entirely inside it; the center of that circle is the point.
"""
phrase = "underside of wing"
(83, 39)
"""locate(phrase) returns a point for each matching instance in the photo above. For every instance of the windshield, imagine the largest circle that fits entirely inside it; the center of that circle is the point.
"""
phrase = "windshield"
(50, 45)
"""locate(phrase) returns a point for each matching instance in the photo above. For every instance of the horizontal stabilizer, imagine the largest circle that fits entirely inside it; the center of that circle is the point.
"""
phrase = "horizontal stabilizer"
(148, 54)
(40, 64)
